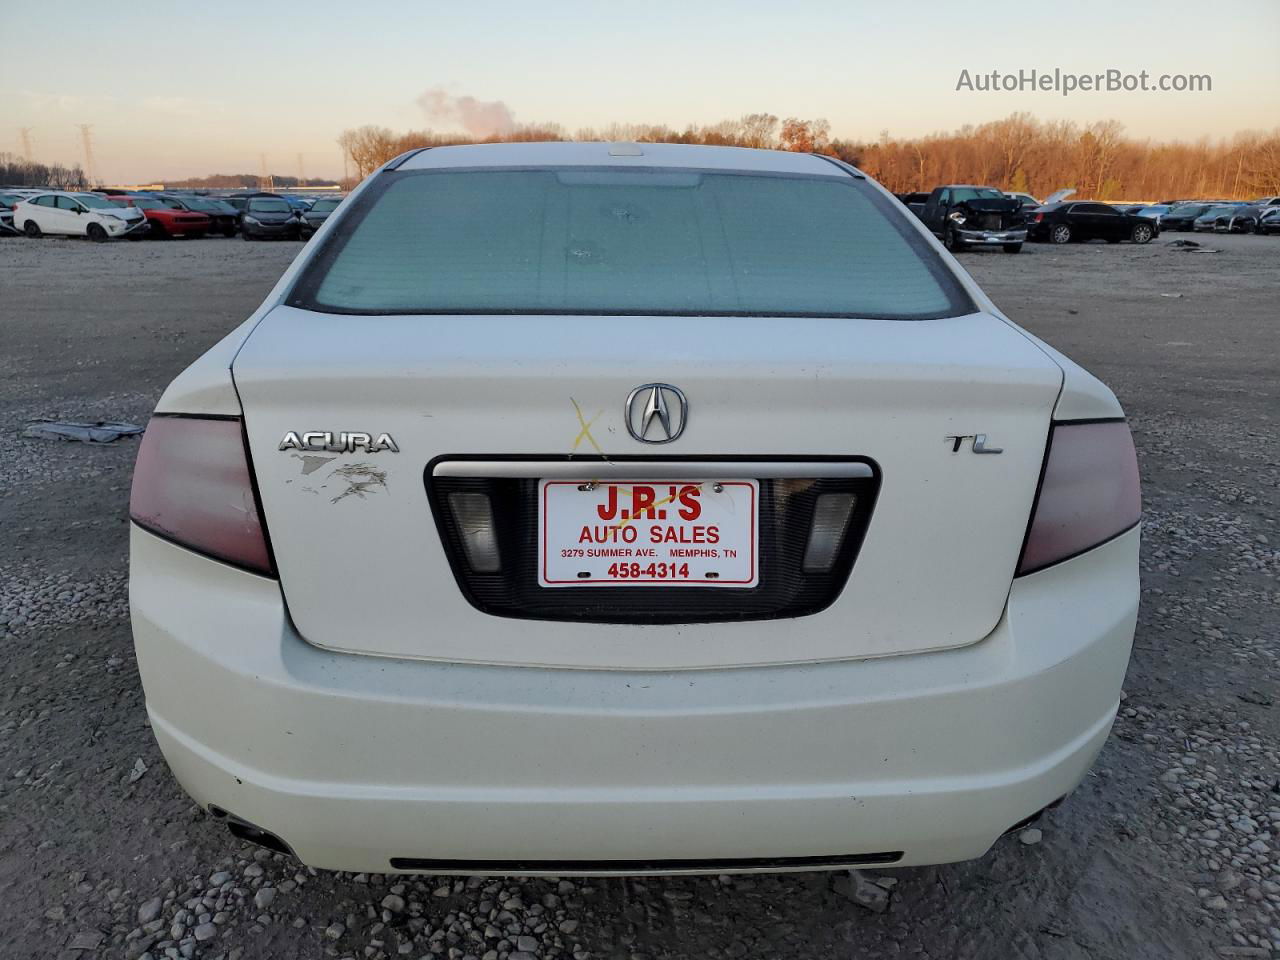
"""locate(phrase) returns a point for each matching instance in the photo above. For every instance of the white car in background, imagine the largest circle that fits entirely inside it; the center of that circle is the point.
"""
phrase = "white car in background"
(76, 215)
(573, 508)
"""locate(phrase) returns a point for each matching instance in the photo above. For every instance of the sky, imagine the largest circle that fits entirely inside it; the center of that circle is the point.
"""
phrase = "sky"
(177, 89)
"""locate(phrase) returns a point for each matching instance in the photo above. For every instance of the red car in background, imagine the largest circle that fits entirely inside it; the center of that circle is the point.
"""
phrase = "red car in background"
(166, 221)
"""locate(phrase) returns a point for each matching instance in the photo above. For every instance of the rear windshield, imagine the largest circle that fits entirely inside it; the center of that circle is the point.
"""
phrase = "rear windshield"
(634, 242)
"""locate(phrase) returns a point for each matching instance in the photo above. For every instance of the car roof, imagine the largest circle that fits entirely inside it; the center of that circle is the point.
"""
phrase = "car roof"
(596, 154)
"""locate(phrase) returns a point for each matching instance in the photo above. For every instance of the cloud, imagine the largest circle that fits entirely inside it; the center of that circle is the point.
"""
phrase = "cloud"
(480, 118)
(41, 101)
(183, 106)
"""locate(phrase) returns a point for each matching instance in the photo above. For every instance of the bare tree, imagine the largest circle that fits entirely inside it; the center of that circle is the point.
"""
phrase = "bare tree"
(20, 172)
(758, 130)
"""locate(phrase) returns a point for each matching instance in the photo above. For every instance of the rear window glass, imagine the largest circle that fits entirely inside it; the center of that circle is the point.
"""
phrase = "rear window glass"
(627, 242)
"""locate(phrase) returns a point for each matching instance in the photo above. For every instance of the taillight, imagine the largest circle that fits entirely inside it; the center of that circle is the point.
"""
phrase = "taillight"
(192, 485)
(1089, 493)
(1039, 217)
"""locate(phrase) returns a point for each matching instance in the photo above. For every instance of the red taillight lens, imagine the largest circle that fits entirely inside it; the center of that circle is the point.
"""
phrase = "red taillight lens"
(192, 485)
(1089, 493)
(1039, 217)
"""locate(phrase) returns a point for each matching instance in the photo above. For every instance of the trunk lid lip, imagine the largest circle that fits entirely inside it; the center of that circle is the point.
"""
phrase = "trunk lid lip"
(639, 460)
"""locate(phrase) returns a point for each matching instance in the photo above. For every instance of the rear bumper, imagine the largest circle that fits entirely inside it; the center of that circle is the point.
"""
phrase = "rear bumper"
(355, 761)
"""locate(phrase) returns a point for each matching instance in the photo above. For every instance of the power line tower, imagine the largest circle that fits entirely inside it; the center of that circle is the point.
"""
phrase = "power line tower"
(86, 137)
(302, 172)
(25, 133)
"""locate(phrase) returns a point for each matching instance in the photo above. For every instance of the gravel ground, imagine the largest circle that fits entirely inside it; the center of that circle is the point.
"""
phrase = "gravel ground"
(1168, 850)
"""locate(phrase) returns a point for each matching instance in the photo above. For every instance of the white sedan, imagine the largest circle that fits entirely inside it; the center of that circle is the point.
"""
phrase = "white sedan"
(587, 509)
(76, 215)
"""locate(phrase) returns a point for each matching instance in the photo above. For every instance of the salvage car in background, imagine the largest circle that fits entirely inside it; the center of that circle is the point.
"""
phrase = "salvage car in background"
(167, 220)
(1083, 220)
(1182, 216)
(1207, 222)
(1026, 202)
(914, 201)
(1241, 219)
(749, 619)
(963, 215)
(1270, 221)
(76, 215)
(266, 217)
(7, 200)
(223, 218)
(237, 202)
(315, 216)
(1156, 212)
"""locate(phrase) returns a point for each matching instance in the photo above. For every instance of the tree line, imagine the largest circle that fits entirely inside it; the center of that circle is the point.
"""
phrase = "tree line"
(18, 172)
(238, 181)
(1018, 153)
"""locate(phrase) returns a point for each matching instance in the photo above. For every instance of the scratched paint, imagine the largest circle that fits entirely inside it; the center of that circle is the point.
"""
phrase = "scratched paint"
(310, 464)
(361, 479)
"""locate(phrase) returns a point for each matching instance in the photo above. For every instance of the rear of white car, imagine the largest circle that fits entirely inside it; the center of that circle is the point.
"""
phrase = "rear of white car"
(571, 509)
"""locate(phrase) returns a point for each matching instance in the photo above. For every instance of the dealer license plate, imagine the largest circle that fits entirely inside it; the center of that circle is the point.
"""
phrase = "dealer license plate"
(648, 533)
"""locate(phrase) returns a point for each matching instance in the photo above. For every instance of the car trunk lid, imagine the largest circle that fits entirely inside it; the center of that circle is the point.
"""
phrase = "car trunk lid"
(362, 564)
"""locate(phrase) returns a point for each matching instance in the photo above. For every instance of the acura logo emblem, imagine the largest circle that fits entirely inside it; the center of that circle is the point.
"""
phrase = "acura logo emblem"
(656, 413)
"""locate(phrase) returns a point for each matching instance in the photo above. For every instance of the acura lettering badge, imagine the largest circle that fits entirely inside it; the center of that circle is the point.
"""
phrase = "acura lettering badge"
(327, 441)
(656, 413)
